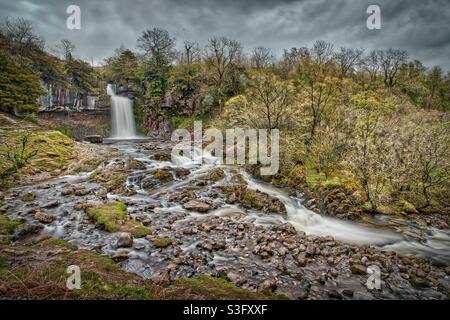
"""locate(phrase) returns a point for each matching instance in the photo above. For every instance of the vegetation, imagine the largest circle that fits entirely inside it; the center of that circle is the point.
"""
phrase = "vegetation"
(44, 276)
(113, 217)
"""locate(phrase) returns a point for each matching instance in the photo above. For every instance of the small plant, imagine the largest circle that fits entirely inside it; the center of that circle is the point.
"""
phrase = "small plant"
(16, 156)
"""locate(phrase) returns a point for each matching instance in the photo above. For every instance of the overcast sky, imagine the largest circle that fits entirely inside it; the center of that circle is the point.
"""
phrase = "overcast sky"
(421, 27)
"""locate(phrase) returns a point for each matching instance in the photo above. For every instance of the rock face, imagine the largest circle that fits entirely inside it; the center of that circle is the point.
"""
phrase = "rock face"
(125, 240)
(197, 205)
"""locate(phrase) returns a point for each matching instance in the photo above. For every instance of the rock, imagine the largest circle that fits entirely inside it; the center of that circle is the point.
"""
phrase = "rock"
(447, 270)
(26, 229)
(358, 269)
(334, 294)
(196, 205)
(310, 250)
(120, 256)
(50, 204)
(94, 139)
(347, 292)
(125, 240)
(162, 156)
(82, 192)
(215, 175)
(236, 278)
(66, 192)
(418, 282)
(139, 246)
(28, 196)
(43, 217)
(270, 285)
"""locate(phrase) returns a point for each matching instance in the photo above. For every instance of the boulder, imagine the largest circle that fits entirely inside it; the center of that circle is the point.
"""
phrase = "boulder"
(125, 240)
(50, 204)
(43, 217)
(196, 205)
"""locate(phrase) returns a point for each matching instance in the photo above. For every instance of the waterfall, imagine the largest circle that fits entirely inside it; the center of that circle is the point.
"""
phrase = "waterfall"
(123, 126)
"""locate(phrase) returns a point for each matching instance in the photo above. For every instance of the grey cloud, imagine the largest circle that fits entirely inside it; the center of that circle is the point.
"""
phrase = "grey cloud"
(421, 27)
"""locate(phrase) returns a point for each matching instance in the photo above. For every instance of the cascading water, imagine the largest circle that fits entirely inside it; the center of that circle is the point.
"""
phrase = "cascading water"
(123, 125)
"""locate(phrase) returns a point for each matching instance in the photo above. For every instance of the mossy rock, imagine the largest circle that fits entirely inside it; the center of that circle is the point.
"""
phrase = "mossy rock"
(163, 175)
(296, 177)
(162, 156)
(112, 181)
(407, 207)
(162, 242)
(215, 175)
(113, 217)
(253, 199)
(28, 196)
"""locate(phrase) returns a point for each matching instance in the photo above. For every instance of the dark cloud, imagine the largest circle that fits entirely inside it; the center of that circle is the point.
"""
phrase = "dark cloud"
(421, 27)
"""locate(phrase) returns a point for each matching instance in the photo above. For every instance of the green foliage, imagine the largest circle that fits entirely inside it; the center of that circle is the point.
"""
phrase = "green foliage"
(19, 85)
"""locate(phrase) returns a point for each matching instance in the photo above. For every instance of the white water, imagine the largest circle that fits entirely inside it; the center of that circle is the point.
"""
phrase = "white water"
(436, 243)
(123, 125)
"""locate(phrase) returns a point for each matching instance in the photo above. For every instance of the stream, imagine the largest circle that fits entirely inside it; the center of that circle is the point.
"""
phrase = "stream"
(302, 254)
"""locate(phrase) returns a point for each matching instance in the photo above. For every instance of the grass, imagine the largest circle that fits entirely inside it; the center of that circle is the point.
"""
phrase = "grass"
(113, 217)
(64, 130)
(7, 226)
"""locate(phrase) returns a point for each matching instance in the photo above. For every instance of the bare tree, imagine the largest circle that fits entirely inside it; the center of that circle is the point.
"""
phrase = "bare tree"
(261, 57)
(270, 101)
(322, 51)
(221, 55)
(371, 63)
(158, 44)
(391, 60)
(20, 32)
(348, 59)
(191, 52)
(66, 48)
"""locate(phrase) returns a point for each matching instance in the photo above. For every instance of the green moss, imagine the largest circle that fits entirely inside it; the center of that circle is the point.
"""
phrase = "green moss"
(7, 226)
(113, 217)
(406, 207)
(162, 242)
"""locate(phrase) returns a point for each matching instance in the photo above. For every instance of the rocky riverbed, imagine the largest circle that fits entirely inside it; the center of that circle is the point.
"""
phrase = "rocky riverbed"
(185, 218)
